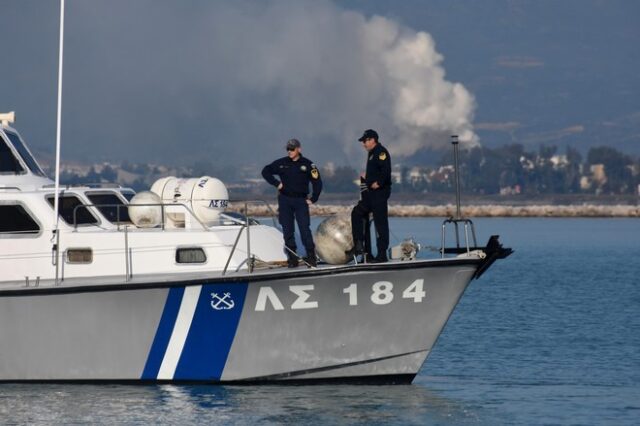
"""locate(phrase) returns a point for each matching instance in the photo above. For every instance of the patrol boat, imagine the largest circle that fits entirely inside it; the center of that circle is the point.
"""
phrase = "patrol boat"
(169, 286)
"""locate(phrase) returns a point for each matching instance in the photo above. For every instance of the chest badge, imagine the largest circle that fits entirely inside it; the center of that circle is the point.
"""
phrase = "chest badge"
(382, 156)
(303, 168)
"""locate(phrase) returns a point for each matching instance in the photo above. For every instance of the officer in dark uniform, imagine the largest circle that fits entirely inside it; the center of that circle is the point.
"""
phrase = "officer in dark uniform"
(295, 172)
(376, 188)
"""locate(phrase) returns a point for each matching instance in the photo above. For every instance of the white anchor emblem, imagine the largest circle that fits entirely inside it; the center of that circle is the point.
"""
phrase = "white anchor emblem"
(219, 303)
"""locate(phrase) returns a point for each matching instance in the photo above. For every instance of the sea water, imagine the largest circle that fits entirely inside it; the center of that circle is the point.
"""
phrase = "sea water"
(550, 335)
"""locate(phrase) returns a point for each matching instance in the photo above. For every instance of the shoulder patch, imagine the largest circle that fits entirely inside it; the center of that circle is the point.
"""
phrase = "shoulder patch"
(314, 173)
(382, 156)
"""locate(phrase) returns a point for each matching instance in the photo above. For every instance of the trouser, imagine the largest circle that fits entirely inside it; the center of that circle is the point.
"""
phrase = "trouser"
(290, 208)
(373, 201)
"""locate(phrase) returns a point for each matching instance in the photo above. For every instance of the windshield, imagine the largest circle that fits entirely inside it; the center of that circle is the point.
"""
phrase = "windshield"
(8, 162)
(25, 154)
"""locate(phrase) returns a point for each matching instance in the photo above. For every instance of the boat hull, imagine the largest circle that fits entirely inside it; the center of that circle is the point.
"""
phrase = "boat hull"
(366, 323)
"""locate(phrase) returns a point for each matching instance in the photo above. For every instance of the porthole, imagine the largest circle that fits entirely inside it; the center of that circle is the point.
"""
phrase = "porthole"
(79, 255)
(190, 255)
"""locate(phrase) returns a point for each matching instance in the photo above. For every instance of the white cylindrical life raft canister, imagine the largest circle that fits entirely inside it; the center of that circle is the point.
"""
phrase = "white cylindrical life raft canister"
(206, 196)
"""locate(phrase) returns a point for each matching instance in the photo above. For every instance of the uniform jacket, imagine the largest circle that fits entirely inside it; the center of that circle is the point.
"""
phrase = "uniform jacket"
(378, 167)
(295, 177)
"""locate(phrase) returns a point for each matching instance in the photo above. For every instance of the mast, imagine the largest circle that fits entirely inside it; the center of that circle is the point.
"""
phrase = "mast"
(56, 206)
(59, 117)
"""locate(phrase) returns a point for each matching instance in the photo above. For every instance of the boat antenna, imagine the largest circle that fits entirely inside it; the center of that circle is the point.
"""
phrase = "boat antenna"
(454, 142)
(56, 198)
(59, 119)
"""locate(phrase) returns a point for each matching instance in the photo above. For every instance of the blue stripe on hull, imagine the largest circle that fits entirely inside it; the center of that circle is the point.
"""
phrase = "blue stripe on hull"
(212, 332)
(163, 333)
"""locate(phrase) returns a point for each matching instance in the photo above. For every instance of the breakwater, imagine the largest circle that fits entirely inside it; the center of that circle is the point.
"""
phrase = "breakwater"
(489, 210)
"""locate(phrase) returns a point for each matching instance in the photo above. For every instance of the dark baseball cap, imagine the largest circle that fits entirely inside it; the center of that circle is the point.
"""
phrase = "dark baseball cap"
(293, 143)
(369, 133)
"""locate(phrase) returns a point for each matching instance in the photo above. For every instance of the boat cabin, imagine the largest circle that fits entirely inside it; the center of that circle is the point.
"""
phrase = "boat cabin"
(93, 235)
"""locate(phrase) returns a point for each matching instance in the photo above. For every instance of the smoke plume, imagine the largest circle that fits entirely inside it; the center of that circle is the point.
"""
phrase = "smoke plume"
(240, 78)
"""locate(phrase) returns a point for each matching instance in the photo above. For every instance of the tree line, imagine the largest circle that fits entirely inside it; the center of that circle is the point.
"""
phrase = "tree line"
(509, 169)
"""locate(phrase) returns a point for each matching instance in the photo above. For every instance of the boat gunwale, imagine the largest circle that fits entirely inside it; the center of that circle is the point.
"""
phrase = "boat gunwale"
(147, 282)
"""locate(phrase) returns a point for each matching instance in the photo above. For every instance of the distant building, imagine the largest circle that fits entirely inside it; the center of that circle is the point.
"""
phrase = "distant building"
(396, 174)
(559, 161)
(415, 175)
(598, 174)
(511, 190)
(526, 163)
(585, 183)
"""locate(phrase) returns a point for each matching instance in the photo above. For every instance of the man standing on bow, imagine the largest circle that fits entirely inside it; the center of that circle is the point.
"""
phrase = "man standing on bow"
(376, 189)
(295, 173)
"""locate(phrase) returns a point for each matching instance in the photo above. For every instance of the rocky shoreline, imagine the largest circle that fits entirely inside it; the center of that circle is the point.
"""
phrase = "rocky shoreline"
(489, 210)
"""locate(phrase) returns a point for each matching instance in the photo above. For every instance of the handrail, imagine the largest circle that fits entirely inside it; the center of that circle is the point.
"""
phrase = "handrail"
(247, 225)
(92, 185)
(246, 212)
(119, 206)
(250, 260)
(458, 218)
(10, 188)
(233, 249)
(467, 223)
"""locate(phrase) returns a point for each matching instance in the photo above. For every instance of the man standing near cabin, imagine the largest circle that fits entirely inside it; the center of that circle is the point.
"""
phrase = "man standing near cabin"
(376, 191)
(295, 173)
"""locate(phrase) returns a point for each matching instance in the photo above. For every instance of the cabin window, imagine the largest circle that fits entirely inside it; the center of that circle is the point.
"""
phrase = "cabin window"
(8, 161)
(128, 194)
(190, 255)
(67, 205)
(79, 255)
(16, 220)
(25, 154)
(108, 204)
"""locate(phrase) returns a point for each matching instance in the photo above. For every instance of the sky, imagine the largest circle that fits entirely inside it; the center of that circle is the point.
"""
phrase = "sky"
(230, 82)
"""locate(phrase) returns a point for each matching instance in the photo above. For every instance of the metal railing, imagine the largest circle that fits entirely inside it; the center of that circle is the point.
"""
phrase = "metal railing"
(119, 206)
(250, 260)
(245, 224)
(256, 202)
(458, 218)
(106, 185)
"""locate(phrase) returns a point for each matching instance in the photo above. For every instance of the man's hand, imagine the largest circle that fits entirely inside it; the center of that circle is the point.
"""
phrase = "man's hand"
(309, 202)
(280, 186)
(375, 185)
